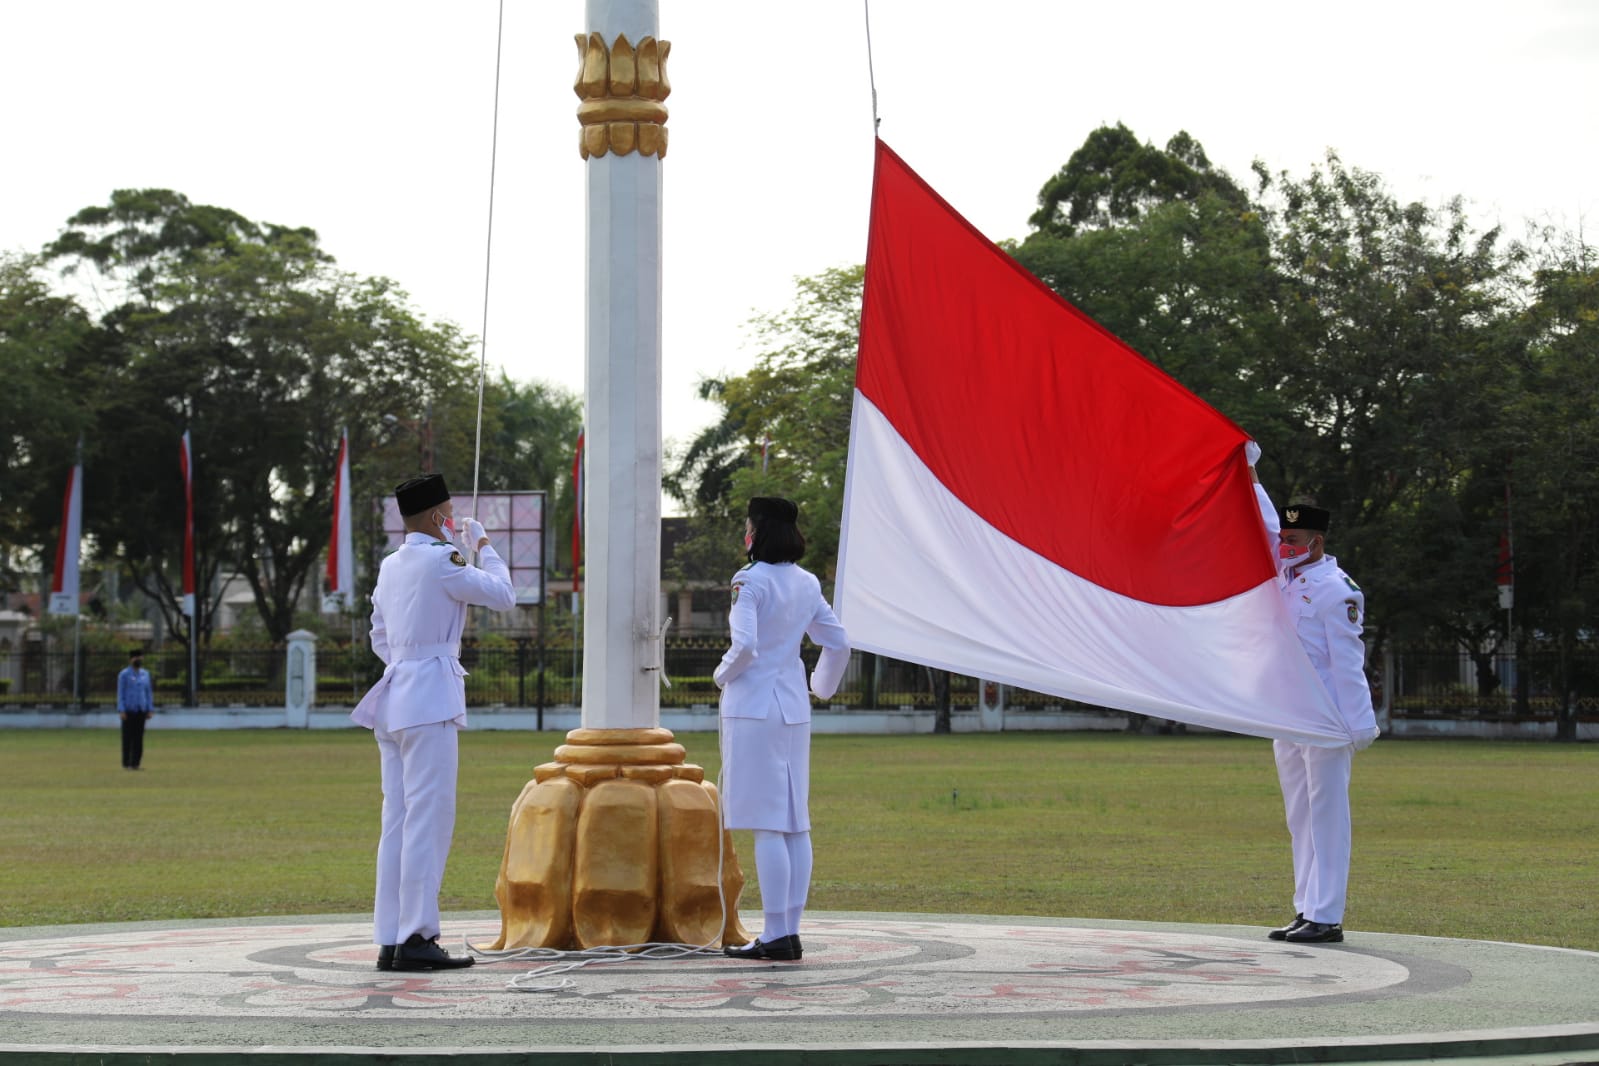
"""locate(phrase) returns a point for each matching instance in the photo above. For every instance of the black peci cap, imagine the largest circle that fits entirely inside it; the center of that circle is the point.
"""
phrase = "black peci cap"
(1304, 516)
(420, 493)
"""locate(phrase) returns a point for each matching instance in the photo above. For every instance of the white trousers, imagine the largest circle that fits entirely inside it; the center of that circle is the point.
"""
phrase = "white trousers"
(419, 771)
(1315, 784)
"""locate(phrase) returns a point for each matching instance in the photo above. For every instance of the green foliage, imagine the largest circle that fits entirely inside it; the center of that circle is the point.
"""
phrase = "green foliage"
(246, 334)
(44, 347)
(1113, 180)
(796, 401)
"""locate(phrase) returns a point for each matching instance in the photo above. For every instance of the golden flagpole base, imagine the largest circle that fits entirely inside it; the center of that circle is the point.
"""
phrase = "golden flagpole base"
(616, 843)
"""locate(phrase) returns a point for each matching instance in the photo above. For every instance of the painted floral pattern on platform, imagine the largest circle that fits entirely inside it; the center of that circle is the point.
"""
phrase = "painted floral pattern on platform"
(851, 969)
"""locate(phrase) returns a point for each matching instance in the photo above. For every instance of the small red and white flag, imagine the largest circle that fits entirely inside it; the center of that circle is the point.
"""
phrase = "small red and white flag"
(1505, 568)
(341, 545)
(1029, 500)
(64, 580)
(186, 458)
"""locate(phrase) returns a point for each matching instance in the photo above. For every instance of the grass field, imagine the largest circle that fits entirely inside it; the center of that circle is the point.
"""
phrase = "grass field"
(1495, 841)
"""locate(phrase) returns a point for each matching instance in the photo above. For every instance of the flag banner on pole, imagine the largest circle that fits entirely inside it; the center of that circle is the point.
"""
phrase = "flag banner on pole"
(64, 580)
(577, 519)
(186, 458)
(1505, 570)
(341, 547)
(1029, 500)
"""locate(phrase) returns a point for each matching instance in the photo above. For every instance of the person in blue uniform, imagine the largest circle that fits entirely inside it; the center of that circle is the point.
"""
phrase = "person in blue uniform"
(415, 711)
(1328, 611)
(766, 715)
(135, 704)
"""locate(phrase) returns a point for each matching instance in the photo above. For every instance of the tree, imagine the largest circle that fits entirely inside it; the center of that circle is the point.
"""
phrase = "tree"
(1113, 180)
(245, 334)
(795, 405)
(44, 343)
(529, 433)
(1388, 344)
(1554, 467)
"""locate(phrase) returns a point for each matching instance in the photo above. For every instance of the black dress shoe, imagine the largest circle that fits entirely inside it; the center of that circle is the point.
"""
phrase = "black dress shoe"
(386, 956)
(783, 949)
(1282, 933)
(752, 951)
(1316, 933)
(419, 954)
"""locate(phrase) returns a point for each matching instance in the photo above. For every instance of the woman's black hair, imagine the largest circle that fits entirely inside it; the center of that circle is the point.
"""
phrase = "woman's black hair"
(777, 537)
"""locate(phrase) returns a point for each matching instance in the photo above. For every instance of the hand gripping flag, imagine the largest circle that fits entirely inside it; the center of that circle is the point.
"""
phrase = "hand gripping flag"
(341, 547)
(1030, 501)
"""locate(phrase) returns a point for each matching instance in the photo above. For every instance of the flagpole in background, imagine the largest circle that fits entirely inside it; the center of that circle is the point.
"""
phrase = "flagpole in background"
(186, 458)
(65, 583)
(341, 551)
(577, 563)
(1505, 578)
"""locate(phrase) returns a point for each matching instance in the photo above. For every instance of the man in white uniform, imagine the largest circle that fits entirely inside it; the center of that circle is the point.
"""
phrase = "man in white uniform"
(415, 711)
(1327, 610)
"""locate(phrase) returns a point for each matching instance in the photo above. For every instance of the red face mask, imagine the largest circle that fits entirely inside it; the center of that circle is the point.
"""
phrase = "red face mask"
(749, 541)
(1293, 554)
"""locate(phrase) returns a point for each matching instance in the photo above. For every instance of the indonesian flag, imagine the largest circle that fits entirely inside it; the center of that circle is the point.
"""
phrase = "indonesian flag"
(341, 549)
(186, 458)
(1030, 501)
(64, 581)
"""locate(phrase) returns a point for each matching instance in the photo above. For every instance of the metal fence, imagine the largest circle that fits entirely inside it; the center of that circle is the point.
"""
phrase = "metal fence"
(249, 677)
(1452, 683)
(517, 672)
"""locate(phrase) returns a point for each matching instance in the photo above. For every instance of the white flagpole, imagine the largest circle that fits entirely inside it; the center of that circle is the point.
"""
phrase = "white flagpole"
(191, 589)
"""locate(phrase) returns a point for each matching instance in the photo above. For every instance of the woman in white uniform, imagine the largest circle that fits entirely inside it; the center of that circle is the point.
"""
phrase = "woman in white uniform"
(766, 715)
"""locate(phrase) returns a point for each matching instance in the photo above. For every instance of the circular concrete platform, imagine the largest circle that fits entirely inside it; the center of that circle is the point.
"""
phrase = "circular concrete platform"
(875, 988)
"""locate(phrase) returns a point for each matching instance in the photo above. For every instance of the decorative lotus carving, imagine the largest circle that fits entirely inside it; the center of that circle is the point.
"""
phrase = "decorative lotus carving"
(618, 842)
(622, 89)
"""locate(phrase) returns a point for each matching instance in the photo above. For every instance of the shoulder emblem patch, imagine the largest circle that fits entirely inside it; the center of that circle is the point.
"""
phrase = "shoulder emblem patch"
(455, 557)
(736, 587)
(1354, 612)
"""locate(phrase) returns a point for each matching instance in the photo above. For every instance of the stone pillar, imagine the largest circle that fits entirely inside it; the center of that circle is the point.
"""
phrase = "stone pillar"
(299, 679)
(991, 706)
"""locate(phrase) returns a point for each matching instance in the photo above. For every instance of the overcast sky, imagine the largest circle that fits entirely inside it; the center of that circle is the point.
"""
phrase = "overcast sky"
(371, 121)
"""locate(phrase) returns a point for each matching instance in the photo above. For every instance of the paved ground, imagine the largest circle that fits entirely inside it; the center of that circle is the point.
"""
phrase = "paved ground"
(872, 988)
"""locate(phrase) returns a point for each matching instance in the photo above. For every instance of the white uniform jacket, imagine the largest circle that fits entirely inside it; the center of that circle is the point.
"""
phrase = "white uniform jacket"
(418, 612)
(774, 606)
(1328, 611)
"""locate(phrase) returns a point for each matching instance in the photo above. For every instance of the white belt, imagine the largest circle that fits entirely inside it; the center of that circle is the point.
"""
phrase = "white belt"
(424, 651)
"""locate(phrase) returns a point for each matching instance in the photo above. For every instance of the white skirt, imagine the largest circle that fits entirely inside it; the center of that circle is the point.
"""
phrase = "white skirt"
(766, 774)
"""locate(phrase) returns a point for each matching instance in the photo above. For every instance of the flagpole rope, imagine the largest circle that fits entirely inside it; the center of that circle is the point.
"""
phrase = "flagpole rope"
(488, 258)
(871, 73)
